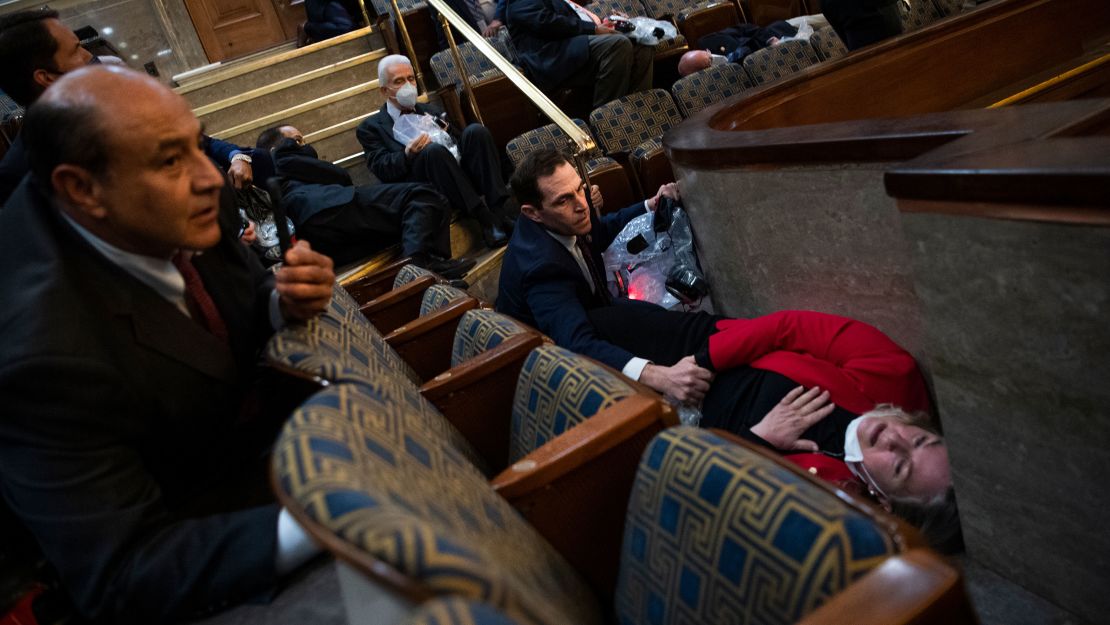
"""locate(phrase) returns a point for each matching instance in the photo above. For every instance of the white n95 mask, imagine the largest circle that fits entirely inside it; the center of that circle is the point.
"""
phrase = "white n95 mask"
(406, 96)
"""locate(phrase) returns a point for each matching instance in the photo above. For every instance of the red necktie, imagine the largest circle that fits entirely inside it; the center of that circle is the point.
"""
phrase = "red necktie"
(197, 299)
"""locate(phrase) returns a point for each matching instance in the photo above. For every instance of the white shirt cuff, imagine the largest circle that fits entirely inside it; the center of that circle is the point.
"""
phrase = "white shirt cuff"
(647, 207)
(294, 547)
(277, 320)
(633, 368)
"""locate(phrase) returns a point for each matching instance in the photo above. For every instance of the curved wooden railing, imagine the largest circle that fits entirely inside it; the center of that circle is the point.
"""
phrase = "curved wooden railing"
(949, 65)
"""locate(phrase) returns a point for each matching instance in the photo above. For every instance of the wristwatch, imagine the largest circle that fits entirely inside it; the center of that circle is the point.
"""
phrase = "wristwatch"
(240, 156)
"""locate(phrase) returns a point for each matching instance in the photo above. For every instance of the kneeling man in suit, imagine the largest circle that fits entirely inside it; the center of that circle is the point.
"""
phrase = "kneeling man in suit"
(132, 325)
(551, 279)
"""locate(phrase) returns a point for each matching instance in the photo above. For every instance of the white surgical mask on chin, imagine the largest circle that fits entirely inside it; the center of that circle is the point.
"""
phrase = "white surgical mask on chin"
(852, 450)
(406, 96)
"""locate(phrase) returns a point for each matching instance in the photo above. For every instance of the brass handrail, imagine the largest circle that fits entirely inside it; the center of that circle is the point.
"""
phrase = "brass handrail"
(365, 13)
(583, 142)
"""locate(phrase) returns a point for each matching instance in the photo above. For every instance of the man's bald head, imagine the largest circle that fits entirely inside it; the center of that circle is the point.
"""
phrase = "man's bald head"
(121, 155)
(72, 121)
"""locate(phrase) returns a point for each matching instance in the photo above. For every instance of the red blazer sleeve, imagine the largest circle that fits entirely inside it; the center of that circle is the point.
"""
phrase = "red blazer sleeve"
(859, 365)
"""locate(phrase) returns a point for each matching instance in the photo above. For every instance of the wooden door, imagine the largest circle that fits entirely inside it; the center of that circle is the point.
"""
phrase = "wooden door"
(233, 28)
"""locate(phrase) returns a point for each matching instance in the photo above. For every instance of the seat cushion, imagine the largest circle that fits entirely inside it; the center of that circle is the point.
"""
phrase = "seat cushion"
(719, 533)
(439, 295)
(709, 86)
(392, 483)
(549, 136)
(828, 44)
(777, 62)
(479, 331)
(558, 389)
(628, 121)
(408, 273)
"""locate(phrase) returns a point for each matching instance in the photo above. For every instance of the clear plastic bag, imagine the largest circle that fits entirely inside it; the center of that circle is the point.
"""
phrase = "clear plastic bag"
(644, 30)
(409, 127)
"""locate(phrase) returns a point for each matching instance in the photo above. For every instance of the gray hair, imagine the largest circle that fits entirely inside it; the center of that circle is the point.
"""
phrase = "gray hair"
(387, 63)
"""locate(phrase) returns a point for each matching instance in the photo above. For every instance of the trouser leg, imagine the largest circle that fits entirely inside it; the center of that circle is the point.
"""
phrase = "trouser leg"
(416, 211)
(643, 67)
(437, 166)
(482, 164)
(610, 61)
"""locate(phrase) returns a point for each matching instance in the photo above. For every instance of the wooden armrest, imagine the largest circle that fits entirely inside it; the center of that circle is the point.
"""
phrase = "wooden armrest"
(574, 489)
(425, 342)
(395, 308)
(366, 288)
(477, 395)
(654, 171)
(916, 587)
(697, 23)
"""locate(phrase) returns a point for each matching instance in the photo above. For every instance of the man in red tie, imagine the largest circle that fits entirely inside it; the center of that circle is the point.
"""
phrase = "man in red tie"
(131, 328)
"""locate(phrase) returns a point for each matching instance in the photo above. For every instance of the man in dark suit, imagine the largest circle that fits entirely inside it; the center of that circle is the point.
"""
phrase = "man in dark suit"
(551, 279)
(473, 185)
(35, 50)
(132, 323)
(348, 222)
(563, 44)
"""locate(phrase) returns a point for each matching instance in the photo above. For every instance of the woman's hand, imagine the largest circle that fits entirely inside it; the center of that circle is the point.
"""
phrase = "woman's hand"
(786, 422)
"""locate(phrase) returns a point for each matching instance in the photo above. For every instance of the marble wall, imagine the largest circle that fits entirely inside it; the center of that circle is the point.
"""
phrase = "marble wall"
(824, 238)
(1019, 343)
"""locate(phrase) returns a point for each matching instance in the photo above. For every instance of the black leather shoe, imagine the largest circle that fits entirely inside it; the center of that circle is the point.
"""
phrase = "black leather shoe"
(494, 236)
(449, 268)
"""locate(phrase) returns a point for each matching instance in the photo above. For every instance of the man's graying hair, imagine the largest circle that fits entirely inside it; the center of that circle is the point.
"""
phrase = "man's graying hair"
(388, 62)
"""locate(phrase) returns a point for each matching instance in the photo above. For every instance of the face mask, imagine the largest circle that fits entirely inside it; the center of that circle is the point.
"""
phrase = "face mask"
(406, 96)
(717, 59)
(852, 450)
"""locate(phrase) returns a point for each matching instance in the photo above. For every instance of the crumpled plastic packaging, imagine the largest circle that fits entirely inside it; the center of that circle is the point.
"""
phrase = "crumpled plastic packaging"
(409, 127)
(645, 31)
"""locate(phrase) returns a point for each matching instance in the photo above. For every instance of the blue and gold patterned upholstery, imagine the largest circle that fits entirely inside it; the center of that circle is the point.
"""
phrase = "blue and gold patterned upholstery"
(479, 331)
(457, 611)
(558, 389)
(476, 63)
(917, 14)
(549, 136)
(393, 485)
(777, 62)
(439, 295)
(626, 122)
(337, 345)
(408, 273)
(647, 149)
(828, 44)
(717, 533)
(709, 86)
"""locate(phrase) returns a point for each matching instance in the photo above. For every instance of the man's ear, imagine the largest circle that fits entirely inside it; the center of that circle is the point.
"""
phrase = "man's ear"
(531, 212)
(44, 77)
(76, 187)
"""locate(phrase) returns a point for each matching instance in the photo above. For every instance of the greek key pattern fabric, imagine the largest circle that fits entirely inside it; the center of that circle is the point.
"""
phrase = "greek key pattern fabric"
(709, 86)
(337, 345)
(476, 63)
(408, 273)
(671, 44)
(917, 14)
(439, 295)
(647, 149)
(717, 533)
(827, 44)
(777, 62)
(458, 611)
(558, 389)
(626, 122)
(479, 331)
(549, 136)
(393, 483)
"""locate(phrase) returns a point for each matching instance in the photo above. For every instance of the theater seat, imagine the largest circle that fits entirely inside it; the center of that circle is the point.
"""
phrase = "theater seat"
(425, 341)
(634, 120)
(392, 309)
(709, 86)
(337, 345)
(828, 44)
(606, 173)
(391, 493)
(917, 14)
(476, 63)
(777, 62)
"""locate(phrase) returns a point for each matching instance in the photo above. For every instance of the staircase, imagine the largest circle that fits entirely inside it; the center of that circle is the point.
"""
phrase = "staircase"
(325, 90)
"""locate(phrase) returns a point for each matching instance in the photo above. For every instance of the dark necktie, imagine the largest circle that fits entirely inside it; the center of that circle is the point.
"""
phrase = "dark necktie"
(601, 287)
(197, 299)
